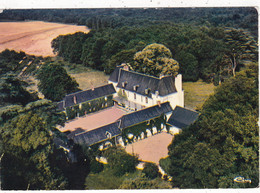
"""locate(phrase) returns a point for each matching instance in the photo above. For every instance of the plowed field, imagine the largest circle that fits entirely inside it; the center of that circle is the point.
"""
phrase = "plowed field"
(33, 37)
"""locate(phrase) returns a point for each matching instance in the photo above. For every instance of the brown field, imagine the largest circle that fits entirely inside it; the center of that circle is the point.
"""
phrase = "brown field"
(33, 37)
(151, 149)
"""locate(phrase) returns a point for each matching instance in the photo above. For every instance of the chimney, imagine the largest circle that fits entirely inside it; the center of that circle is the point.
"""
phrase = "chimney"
(159, 103)
(125, 67)
(161, 76)
(178, 82)
(75, 99)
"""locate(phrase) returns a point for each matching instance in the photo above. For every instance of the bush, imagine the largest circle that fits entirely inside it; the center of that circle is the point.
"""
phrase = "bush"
(120, 161)
(96, 167)
(165, 163)
(150, 170)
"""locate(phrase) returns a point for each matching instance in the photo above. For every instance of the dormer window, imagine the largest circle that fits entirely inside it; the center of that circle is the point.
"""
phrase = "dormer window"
(135, 87)
(124, 84)
(108, 135)
(147, 90)
(157, 93)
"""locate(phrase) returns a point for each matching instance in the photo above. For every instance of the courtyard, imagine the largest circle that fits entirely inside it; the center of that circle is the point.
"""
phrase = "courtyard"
(95, 120)
(151, 149)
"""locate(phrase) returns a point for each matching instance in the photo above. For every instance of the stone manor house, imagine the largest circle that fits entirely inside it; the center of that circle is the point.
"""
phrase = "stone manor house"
(154, 105)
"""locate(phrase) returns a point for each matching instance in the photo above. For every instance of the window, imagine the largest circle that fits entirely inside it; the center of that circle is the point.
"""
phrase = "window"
(123, 92)
(134, 95)
(146, 99)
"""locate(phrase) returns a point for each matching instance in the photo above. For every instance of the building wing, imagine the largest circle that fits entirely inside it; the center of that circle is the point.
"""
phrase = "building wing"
(145, 115)
(86, 95)
(97, 135)
(182, 117)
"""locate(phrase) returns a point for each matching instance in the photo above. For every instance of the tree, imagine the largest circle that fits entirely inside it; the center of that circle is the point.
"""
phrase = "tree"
(241, 47)
(55, 83)
(189, 67)
(150, 170)
(224, 142)
(120, 161)
(12, 91)
(155, 59)
(28, 148)
(144, 183)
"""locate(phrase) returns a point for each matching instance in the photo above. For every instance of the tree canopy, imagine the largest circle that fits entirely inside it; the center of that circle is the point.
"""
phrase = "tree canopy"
(29, 166)
(224, 142)
(120, 161)
(12, 91)
(55, 82)
(155, 59)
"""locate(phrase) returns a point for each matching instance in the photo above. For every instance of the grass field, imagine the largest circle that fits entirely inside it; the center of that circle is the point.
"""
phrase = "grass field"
(87, 77)
(196, 93)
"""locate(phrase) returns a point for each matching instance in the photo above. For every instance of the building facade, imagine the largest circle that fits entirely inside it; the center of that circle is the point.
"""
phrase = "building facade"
(137, 91)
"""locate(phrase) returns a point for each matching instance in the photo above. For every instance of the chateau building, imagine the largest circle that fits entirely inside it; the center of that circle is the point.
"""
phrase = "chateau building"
(155, 104)
(137, 91)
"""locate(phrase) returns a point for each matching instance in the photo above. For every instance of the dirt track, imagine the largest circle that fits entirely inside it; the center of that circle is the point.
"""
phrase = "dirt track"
(33, 37)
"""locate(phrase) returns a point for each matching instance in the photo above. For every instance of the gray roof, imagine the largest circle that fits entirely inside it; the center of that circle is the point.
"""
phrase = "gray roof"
(145, 114)
(86, 95)
(128, 79)
(182, 117)
(114, 76)
(97, 135)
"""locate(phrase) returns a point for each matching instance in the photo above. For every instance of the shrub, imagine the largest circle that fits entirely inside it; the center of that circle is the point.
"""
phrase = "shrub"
(150, 170)
(120, 161)
(96, 167)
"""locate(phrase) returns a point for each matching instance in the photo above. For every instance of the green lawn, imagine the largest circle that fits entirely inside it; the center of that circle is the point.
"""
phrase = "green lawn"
(87, 77)
(195, 93)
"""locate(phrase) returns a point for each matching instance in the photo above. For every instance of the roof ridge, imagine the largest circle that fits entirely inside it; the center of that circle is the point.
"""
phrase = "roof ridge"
(187, 109)
(141, 74)
(96, 128)
(86, 90)
(144, 109)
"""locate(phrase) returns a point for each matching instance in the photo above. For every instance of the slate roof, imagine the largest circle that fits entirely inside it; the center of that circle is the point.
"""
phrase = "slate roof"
(75, 132)
(144, 114)
(86, 95)
(182, 117)
(97, 135)
(114, 76)
(165, 85)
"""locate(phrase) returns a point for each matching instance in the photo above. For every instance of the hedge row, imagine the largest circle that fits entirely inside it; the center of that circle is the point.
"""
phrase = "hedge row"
(89, 107)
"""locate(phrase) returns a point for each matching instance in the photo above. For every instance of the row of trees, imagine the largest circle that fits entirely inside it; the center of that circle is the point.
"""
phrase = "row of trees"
(202, 52)
(224, 142)
(242, 17)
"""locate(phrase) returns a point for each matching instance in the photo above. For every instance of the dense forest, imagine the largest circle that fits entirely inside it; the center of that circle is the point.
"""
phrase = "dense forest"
(215, 44)
(201, 40)
(102, 18)
(224, 142)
